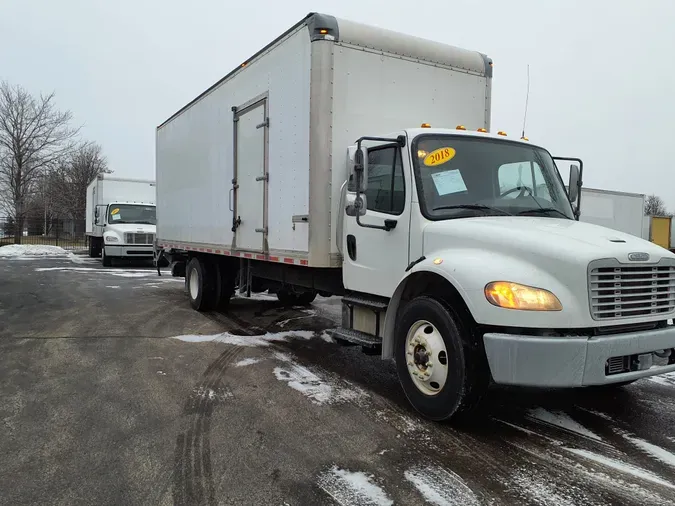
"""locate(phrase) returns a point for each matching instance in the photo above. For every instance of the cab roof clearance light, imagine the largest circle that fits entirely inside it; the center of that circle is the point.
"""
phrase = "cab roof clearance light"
(461, 127)
(501, 132)
(425, 125)
(482, 130)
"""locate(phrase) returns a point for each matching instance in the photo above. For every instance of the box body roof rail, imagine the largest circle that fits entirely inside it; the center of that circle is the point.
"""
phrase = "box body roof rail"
(327, 27)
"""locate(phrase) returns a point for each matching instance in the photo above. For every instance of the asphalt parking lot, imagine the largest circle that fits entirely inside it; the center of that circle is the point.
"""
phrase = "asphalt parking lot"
(114, 391)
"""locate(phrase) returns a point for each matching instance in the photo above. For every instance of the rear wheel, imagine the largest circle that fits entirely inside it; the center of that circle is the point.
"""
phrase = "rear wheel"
(201, 284)
(92, 250)
(442, 375)
(306, 298)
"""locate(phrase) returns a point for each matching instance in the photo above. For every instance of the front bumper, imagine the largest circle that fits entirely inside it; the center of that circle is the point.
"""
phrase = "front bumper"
(576, 361)
(129, 250)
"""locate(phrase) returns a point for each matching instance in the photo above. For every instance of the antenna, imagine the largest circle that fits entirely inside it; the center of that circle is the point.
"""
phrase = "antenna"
(527, 99)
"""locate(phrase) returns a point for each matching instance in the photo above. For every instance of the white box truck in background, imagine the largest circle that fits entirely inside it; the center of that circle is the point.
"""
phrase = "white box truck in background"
(457, 252)
(121, 218)
(616, 210)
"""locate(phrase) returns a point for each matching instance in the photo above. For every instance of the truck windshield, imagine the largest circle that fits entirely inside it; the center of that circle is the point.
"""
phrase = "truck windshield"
(460, 176)
(131, 213)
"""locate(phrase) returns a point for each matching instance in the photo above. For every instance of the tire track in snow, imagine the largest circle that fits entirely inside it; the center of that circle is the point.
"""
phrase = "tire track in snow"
(193, 474)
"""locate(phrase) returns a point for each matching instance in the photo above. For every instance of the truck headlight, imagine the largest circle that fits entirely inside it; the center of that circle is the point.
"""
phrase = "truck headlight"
(515, 296)
(111, 238)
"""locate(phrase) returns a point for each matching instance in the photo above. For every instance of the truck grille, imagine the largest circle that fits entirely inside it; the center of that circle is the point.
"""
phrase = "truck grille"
(621, 291)
(136, 238)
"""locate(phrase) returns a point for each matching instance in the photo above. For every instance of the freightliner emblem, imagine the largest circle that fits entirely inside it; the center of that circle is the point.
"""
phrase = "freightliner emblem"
(638, 256)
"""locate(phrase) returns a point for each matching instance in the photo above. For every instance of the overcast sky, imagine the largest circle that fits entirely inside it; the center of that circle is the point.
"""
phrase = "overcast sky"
(602, 76)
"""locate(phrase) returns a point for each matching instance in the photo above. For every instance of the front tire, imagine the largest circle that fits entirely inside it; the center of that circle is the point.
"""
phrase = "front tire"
(105, 259)
(442, 374)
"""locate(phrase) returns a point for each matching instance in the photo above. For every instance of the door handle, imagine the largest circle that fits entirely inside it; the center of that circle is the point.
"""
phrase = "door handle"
(390, 225)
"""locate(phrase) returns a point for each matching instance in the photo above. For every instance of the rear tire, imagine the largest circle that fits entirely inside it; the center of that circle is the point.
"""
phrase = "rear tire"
(442, 375)
(92, 250)
(226, 277)
(201, 284)
(286, 297)
(306, 298)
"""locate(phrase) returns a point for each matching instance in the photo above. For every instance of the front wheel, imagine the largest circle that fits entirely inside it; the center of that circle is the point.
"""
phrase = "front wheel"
(442, 374)
(105, 259)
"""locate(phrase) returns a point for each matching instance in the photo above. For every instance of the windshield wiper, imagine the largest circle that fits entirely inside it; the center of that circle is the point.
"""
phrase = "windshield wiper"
(144, 222)
(544, 210)
(480, 207)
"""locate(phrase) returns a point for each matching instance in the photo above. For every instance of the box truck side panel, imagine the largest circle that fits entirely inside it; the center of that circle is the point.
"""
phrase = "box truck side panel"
(89, 209)
(376, 93)
(126, 190)
(616, 210)
(195, 156)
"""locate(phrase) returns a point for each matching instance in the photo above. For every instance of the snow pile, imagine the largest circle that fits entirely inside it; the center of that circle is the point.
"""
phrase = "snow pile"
(263, 340)
(31, 250)
(441, 487)
(357, 488)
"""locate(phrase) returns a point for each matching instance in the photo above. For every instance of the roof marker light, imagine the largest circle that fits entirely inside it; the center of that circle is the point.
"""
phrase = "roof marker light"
(501, 132)
(482, 130)
(461, 127)
(425, 125)
(523, 138)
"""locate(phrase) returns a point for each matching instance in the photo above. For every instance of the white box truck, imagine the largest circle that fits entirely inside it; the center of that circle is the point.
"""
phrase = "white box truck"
(457, 252)
(616, 210)
(121, 218)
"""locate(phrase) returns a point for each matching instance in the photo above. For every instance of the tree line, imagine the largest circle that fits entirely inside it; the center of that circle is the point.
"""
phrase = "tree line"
(45, 166)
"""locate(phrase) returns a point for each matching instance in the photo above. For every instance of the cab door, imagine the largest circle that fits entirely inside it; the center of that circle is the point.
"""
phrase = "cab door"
(375, 259)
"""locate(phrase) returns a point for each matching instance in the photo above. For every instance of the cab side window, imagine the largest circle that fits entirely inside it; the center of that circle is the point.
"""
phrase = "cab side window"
(386, 185)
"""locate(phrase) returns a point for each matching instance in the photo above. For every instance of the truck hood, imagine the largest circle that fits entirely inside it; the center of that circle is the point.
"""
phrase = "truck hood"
(527, 237)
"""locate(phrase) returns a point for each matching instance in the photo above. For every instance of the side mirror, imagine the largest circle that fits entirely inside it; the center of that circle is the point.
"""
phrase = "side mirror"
(357, 166)
(574, 184)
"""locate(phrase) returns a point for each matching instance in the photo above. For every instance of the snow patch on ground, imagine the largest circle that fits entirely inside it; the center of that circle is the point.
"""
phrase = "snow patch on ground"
(622, 467)
(654, 451)
(122, 273)
(542, 491)
(31, 250)
(666, 380)
(256, 296)
(441, 487)
(562, 420)
(318, 390)
(353, 488)
(254, 341)
(112, 286)
(247, 361)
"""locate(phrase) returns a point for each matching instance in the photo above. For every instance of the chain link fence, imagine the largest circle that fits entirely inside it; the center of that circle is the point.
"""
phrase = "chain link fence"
(64, 232)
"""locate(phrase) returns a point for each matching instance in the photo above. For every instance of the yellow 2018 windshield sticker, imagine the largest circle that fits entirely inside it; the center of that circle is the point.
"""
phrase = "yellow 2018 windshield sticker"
(115, 211)
(439, 156)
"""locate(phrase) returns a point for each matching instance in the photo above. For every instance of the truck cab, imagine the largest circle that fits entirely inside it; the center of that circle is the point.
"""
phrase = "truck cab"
(128, 230)
(501, 281)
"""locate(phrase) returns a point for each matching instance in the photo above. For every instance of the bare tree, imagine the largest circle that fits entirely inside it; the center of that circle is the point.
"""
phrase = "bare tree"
(655, 206)
(67, 184)
(34, 136)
